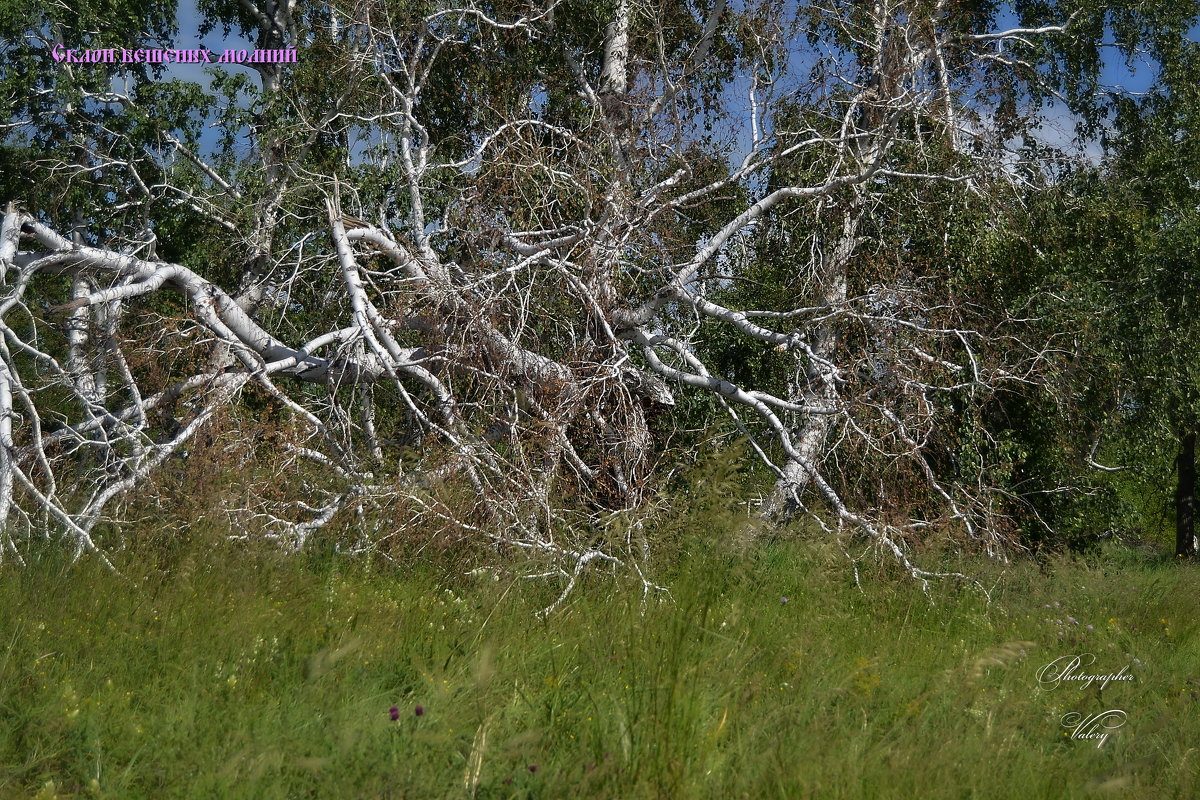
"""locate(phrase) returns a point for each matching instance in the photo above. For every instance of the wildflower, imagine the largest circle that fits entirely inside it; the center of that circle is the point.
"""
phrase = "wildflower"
(533, 767)
(783, 600)
(394, 713)
(1091, 627)
(420, 711)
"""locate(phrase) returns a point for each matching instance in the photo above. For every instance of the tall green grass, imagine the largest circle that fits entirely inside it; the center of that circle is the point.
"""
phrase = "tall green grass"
(216, 671)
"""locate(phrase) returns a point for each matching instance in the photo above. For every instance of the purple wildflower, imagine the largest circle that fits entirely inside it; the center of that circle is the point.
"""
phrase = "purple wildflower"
(420, 711)
(533, 767)
(394, 713)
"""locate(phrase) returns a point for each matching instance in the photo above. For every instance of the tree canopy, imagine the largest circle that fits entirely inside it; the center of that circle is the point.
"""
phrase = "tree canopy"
(497, 269)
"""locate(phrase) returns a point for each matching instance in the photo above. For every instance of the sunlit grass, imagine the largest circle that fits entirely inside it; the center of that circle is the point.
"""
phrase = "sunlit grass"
(229, 672)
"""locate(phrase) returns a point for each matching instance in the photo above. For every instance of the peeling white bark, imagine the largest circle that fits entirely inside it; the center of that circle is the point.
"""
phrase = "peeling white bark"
(519, 337)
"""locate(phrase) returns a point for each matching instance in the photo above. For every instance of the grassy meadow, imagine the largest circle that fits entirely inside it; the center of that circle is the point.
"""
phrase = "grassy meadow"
(227, 671)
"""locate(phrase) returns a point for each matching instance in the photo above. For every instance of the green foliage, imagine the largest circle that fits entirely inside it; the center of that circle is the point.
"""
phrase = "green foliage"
(1102, 262)
(1105, 261)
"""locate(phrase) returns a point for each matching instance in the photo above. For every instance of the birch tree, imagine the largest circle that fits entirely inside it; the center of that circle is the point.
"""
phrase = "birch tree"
(487, 245)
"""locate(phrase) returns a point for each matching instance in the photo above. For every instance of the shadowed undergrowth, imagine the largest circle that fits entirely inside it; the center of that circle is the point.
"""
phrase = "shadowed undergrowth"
(228, 671)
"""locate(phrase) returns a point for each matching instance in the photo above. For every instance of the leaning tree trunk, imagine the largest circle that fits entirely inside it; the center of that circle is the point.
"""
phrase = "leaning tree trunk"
(873, 112)
(1185, 498)
(819, 379)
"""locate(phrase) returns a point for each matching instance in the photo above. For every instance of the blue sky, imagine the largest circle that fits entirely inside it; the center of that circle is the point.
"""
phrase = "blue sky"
(189, 37)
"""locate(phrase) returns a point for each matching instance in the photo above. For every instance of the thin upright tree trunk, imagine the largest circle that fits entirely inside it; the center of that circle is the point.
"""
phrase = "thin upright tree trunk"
(885, 83)
(1185, 497)
(818, 379)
